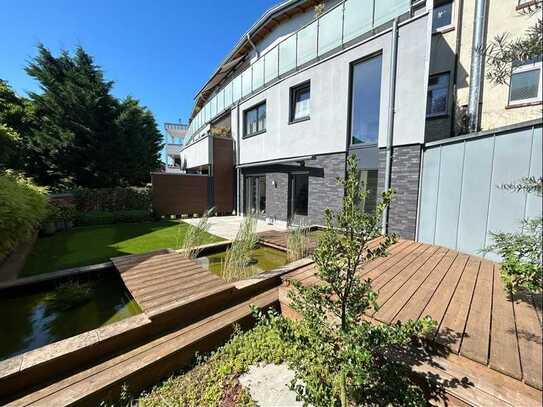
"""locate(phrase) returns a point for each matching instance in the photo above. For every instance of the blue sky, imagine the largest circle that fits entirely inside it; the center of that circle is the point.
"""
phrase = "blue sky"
(159, 51)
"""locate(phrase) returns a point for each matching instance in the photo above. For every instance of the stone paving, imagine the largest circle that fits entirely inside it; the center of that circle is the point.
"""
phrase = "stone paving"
(227, 226)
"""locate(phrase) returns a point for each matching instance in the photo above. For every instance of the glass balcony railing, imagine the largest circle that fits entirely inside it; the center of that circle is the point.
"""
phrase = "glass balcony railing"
(339, 25)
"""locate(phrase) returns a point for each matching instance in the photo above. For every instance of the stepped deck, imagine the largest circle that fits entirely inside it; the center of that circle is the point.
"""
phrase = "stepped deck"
(464, 294)
(146, 364)
(161, 280)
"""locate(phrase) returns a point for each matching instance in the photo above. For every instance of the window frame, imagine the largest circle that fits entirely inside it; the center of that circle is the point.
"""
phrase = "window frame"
(246, 112)
(447, 108)
(350, 114)
(449, 26)
(526, 67)
(294, 90)
(291, 195)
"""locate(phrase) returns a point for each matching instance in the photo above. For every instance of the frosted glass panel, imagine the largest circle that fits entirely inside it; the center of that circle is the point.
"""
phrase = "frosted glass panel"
(246, 85)
(271, 64)
(213, 105)
(307, 44)
(386, 10)
(358, 18)
(236, 89)
(287, 55)
(258, 74)
(228, 95)
(220, 101)
(330, 30)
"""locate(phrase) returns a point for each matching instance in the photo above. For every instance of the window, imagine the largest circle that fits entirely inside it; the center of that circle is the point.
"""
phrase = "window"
(255, 195)
(300, 97)
(369, 179)
(366, 101)
(437, 102)
(525, 84)
(442, 16)
(299, 193)
(255, 120)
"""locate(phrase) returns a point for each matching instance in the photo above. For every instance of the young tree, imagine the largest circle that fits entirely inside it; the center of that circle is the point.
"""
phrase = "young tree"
(350, 357)
(522, 262)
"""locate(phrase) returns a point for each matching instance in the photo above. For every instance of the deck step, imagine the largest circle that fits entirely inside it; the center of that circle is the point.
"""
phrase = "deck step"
(147, 364)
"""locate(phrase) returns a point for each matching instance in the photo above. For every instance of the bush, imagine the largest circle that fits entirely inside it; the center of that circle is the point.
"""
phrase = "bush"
(109, 217)
(112, 199)
(23, 206)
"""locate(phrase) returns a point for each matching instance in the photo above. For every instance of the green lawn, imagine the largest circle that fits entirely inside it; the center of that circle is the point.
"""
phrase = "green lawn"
(95, 244)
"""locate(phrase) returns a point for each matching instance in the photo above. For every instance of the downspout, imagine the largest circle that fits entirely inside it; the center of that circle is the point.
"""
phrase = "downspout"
(391, 108)
(238, 171)
(252, 45)
(476, 67)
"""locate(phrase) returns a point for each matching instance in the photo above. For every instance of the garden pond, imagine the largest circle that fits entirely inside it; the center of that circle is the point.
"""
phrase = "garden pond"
(41, 316)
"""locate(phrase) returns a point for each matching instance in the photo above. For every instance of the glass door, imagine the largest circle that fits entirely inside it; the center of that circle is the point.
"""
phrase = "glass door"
(255, 195)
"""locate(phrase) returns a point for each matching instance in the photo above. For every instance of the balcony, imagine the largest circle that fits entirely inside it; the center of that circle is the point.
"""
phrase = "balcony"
(332, 31)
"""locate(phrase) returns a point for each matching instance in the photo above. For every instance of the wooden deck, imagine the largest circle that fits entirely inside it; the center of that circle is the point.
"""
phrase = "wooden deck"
(161, 280)
(280, 239)
(465, 295)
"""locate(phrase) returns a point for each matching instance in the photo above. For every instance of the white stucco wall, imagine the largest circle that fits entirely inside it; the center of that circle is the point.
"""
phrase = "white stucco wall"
(197, 153)
(326, 131)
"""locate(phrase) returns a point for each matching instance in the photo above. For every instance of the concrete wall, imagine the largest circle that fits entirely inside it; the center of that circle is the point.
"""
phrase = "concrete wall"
(326, 131)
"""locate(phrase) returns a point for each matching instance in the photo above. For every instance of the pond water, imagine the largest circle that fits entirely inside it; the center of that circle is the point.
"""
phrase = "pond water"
(31, 320)
(265, 259)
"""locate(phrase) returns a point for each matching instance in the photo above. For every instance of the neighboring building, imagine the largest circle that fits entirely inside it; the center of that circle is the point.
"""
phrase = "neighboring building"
(300, 92)
(451, 57)
(173, 147)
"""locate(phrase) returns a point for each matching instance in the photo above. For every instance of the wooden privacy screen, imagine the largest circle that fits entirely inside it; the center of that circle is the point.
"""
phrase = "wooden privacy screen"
(178, 194)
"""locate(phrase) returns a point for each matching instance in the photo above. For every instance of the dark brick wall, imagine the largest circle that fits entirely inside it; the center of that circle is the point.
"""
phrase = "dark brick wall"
(323, 189)
(405, 174)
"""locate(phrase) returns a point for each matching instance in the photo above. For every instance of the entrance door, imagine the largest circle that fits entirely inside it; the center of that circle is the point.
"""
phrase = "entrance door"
(298, 195)
(255, 195)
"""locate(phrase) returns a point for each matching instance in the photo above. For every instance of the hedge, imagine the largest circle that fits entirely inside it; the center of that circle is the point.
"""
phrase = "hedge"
(23, 205)
(112, 199)
(109, 217)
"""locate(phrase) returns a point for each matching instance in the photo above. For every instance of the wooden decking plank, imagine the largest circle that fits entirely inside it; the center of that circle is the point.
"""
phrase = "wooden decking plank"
(380, 278)
(504, 350)
(168, 274)
(191, 284)
(530, 341)
(165, 283)
(437, 306)
(144, 268)
(162, 300)
(391, 304)
(475, 343)
(415, 305)
(452, 326)
(163, 272)
(396, 253)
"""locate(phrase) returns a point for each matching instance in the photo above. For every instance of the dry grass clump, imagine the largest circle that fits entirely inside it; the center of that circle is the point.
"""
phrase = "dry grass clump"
(193, 238)
(238, 256)
(298, 242)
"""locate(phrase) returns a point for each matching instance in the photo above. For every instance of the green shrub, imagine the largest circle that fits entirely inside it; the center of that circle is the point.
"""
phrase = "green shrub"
(109, 217)
(112, 199)
(23, 205)
(95, 218)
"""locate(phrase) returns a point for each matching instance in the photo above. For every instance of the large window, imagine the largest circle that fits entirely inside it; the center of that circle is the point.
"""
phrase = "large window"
(366, 101)
(255, 195)
(525, 84)
(299, 193)
(300, 97)
(255, 120)
(442, 16)
(437, 102)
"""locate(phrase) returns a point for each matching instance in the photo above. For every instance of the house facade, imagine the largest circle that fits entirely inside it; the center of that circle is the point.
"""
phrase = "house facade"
(307, 86)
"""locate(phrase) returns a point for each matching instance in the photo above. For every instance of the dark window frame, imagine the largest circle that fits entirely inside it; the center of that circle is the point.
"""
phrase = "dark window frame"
(292, 198)
(294, 90)
(349, 138)
(445, 27)
(447, 109)
(256, 107)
